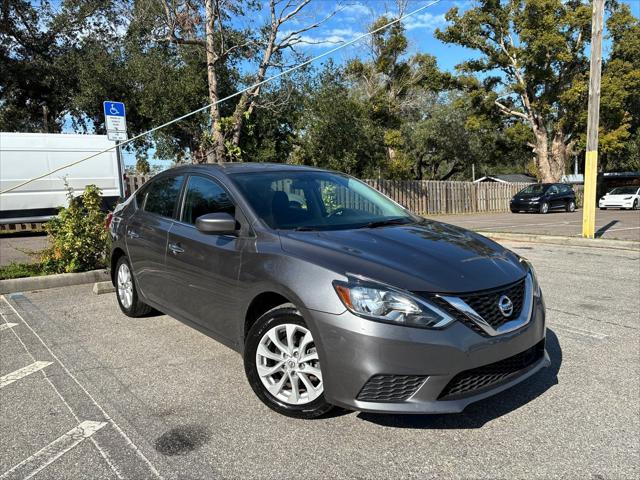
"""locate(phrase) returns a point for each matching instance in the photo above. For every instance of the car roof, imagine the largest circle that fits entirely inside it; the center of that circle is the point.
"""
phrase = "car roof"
(246, 167)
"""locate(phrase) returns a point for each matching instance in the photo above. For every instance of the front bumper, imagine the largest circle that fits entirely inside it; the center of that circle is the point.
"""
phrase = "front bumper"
(525, 206)
(616, 204)
(353, 350)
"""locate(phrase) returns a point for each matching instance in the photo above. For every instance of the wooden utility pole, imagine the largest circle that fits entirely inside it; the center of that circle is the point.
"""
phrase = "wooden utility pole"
(591, 161)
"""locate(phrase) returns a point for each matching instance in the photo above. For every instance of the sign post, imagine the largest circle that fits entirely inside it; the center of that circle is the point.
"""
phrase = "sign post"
(116, 122)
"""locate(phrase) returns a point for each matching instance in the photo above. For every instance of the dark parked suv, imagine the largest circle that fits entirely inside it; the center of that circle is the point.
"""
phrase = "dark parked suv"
(544, 197)
(333, 293)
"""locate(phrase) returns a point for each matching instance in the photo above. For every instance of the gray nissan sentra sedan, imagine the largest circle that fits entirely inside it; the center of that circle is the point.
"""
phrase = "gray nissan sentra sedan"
(333, 294)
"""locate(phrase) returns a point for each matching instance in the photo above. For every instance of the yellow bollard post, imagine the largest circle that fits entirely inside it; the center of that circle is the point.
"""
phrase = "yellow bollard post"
(589, 200)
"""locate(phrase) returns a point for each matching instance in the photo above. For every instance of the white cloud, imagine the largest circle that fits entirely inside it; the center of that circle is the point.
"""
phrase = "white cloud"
(425, 21)
(356, 9)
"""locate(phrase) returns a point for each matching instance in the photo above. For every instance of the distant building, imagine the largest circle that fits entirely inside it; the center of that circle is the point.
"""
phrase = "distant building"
(508, 178)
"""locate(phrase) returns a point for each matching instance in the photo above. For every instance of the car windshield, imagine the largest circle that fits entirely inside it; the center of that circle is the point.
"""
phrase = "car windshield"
(624, 191)
(316, 200)
(533, 189)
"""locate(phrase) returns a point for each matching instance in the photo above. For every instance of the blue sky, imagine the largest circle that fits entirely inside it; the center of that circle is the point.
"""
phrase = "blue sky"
(353, 17)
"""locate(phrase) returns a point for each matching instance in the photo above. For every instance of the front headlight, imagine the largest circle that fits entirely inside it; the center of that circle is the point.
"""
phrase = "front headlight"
(628, 198)
(534, 277)
(386, 304)
(534, 199)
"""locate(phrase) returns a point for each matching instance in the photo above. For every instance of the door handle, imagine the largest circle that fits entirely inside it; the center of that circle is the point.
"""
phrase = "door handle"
(176, 248)
(132, 234)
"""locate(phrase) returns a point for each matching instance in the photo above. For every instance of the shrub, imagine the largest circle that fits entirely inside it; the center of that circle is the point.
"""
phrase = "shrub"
(20, 270)
(79, 240)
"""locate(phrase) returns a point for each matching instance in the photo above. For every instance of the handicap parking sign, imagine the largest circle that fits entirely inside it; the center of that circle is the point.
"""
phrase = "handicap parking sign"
(113, 109)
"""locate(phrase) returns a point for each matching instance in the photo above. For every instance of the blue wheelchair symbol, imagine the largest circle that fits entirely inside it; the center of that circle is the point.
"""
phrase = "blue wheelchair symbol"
(114, 109)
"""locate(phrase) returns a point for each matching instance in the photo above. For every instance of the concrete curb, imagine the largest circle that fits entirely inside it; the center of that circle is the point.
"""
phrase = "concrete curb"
(568, 241)
(52, 281)
(103, 287)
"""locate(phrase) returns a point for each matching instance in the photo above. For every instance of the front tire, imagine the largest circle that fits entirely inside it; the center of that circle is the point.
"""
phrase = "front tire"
(127, 292)
(544, 208)
(282, 366)
(635, 205)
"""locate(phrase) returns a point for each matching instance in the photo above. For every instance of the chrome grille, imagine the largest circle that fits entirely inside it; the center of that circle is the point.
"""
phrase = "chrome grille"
(485, 303)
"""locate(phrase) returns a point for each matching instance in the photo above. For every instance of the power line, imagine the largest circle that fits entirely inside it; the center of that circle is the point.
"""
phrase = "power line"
(229, 97)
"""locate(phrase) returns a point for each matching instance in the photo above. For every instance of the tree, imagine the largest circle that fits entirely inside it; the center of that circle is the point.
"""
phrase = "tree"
(455, 134)
(335, 130)
(38, 76)
(620, 94)
(393, 85)
(215, 30)
(535, 51)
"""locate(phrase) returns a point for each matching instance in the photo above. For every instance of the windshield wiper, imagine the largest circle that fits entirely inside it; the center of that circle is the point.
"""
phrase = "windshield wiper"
(305, 229)
(384, 223)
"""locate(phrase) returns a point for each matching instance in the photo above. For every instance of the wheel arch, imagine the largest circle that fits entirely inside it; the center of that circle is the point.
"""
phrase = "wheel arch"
(115, 256)
(260, 305)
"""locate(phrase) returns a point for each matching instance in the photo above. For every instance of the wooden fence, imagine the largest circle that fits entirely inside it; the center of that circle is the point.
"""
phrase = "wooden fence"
(431, 197)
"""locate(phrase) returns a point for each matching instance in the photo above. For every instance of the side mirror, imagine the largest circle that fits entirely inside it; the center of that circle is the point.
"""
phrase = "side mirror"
(220, 223)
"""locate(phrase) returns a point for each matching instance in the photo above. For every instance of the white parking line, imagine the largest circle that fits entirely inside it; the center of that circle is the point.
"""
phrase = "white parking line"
(49, 454)
(104, 454)
(4, 326)
(9, 378)
(619, 229)
(117, 428)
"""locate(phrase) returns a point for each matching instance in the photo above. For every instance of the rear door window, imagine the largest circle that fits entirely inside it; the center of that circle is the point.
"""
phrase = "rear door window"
(161, 197)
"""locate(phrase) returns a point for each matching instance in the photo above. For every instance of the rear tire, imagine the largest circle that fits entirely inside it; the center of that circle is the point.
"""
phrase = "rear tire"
(603, 208)
(294, 389)
(127, 291)
(571, 206)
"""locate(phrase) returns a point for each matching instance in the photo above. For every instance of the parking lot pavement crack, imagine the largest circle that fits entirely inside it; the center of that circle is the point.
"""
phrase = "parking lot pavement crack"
(629, 327)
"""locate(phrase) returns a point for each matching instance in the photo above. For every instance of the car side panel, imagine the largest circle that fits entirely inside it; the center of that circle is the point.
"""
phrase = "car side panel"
(204, 278)
(146, 241)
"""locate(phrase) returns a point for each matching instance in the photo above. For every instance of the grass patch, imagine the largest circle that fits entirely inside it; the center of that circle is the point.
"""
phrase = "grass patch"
(21, 270)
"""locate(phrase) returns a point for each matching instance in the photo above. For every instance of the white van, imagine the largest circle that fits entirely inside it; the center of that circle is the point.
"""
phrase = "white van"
(28, 155)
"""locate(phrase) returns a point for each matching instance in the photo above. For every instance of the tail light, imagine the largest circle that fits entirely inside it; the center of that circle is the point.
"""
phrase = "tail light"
(108, 220)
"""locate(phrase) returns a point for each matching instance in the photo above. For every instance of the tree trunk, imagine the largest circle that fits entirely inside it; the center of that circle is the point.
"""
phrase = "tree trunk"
(218, 152)
(551, 162)
(245, 106)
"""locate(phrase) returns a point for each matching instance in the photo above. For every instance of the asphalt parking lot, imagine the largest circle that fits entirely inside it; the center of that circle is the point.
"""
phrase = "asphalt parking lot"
(87, 393)
(612, 224)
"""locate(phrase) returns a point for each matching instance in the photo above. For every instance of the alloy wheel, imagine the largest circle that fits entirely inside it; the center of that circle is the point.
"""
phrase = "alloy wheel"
(288, 366)
(125, 286)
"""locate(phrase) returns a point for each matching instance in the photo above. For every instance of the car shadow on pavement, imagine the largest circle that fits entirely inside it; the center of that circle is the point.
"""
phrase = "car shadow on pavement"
(479, 413)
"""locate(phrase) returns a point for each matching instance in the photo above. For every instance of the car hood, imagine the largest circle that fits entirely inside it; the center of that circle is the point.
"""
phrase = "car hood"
(430, 256)
(526, 196)
(619, 197)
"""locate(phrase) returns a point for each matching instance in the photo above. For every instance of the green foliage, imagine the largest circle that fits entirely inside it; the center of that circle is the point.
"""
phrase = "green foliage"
(79, 239)
(142, 166)
(20, 270)
(336, 131)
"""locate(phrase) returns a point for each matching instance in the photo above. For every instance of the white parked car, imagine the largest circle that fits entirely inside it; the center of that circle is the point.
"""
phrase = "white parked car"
(621, 197)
